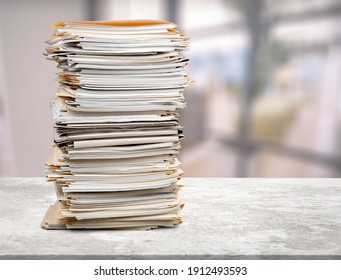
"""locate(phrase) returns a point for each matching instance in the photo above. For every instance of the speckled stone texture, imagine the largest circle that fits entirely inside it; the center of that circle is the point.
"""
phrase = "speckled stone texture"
(223, 219)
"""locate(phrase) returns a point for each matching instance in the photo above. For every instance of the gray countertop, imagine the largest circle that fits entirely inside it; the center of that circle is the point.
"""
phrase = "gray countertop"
(223, 219)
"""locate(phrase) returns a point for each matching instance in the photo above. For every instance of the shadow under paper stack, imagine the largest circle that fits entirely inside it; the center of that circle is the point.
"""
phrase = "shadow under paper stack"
(116, 130)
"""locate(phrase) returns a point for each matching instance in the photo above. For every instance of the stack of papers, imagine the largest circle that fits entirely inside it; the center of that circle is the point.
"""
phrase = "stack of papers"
(116, 127)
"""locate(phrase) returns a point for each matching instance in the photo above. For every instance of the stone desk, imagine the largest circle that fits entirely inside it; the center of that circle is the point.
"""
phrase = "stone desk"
(224, 218)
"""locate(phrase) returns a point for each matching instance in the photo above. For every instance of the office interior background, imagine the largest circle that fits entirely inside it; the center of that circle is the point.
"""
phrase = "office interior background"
(266, 101)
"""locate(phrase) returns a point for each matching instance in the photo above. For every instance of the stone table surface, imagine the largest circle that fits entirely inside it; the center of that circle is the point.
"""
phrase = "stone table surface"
(224, 218)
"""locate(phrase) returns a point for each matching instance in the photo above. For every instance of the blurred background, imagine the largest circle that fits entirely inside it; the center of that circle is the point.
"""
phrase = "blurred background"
(266, 101)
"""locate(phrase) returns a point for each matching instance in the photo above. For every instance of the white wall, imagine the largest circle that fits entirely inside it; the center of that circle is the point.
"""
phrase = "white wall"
(30, 78)
(6, 149)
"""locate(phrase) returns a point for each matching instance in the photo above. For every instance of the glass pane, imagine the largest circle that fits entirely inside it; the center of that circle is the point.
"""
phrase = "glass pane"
(197, 14)
(283, 58)
(217, 64)
(267, 164)
(274, 7)
(209, 159)
(298, 100)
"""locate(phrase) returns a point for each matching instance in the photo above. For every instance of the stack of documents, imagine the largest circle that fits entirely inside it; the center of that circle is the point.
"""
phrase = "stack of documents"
(116, 127)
